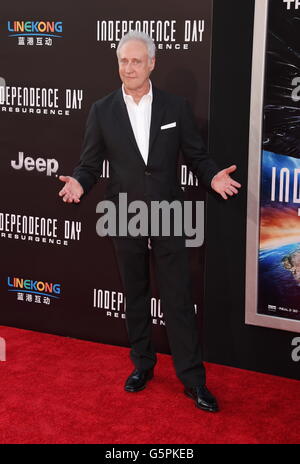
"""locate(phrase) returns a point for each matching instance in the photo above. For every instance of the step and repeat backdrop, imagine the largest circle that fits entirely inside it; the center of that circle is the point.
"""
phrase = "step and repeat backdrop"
(57, 275)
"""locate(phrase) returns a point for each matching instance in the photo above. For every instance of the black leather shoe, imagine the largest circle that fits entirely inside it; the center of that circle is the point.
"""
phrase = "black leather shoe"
(138, 379)
(203, 398)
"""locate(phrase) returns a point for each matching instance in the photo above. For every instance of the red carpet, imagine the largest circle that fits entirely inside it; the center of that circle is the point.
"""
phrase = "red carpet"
(61, 390)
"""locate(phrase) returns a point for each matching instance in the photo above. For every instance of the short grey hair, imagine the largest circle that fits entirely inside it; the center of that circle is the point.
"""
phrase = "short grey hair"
(142, 37)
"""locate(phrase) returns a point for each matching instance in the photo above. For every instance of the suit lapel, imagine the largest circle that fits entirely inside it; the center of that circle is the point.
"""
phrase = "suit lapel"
(123, 117)
(158, 109)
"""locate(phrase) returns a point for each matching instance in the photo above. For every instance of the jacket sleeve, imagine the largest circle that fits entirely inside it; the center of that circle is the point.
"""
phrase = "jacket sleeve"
(89, 168)
(193, 148)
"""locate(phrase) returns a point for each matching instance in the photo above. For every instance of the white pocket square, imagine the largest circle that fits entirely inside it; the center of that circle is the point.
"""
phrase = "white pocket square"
(168, 126)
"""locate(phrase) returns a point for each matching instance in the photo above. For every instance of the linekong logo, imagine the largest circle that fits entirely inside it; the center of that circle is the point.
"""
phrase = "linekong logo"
(17, 284)
(37, 28)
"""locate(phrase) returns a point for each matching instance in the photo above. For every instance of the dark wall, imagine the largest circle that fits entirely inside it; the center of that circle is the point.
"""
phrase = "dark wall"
(228, 340)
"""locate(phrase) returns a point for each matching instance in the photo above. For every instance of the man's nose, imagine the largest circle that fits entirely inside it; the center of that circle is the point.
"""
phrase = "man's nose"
(129, 68)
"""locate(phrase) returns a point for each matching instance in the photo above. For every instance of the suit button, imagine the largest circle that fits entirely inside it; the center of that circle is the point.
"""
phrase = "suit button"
(148, 173)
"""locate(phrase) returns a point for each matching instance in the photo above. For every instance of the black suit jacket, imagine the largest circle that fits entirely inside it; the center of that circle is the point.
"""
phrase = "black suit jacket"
(109, 135)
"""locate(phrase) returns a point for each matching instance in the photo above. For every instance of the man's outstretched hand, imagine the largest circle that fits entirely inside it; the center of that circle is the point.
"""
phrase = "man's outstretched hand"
(223, 184)
(72, 190)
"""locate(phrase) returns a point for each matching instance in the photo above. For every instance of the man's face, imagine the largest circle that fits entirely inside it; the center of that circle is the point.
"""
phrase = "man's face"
(134, 64)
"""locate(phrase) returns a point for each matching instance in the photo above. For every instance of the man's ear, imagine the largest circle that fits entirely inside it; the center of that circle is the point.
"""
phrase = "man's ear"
(152, 63)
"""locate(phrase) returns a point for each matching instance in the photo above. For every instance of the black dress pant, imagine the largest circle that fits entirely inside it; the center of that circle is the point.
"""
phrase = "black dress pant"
(174, 284)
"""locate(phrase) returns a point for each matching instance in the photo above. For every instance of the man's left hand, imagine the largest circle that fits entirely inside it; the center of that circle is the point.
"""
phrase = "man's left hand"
(223, 184)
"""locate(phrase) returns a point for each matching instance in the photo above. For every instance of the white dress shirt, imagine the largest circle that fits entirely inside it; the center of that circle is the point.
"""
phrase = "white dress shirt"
(140, 118)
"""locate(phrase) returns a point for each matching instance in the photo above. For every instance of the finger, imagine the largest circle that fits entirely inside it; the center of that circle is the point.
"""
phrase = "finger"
(223, 195)
(231, 169)
(74, 197)
(229, 192)
(64, 178)
(234, 190)
(62, 192)
(236, 184)
(66, 198)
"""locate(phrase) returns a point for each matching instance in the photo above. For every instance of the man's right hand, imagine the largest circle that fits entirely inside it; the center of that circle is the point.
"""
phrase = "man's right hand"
(72, 190)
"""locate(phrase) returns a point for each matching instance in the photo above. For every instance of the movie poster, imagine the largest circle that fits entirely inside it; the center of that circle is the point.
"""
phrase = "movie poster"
(277, 302)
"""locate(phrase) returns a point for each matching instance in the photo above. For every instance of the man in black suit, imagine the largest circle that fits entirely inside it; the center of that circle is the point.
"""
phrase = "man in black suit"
(141, 131)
